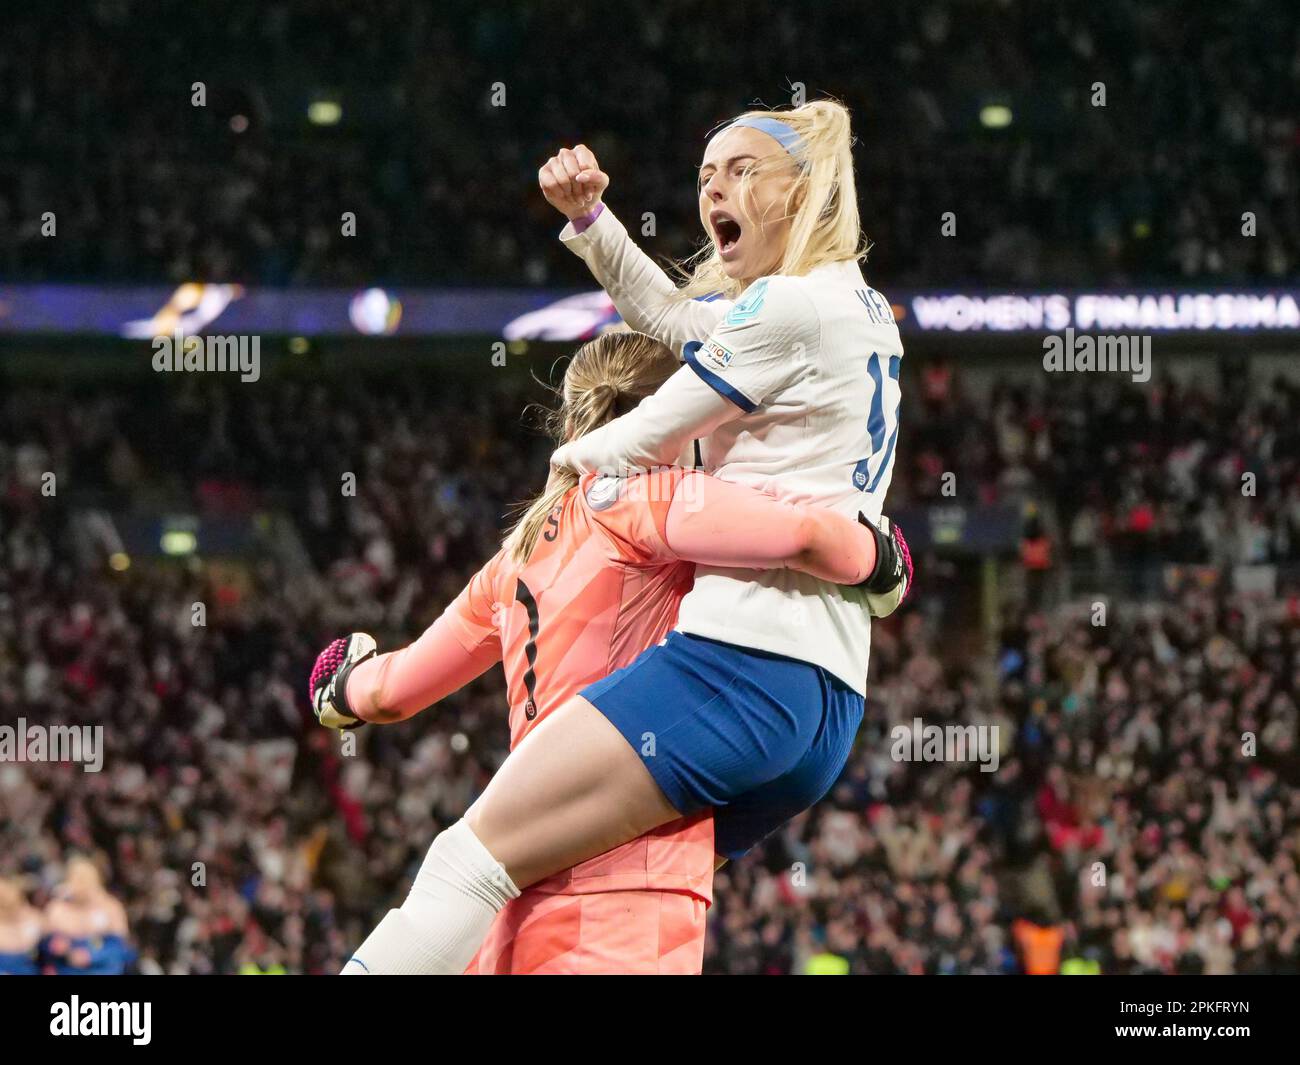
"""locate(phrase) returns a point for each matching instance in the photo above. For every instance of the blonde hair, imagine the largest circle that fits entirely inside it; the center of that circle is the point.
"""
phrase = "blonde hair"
(81, 878)
(822, 203)
(606, 377)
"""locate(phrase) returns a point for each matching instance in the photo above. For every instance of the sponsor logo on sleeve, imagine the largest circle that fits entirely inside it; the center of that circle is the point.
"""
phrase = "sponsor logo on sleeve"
(714, 355)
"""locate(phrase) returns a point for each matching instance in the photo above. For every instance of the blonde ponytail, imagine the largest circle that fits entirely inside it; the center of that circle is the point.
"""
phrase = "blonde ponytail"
(606, 377)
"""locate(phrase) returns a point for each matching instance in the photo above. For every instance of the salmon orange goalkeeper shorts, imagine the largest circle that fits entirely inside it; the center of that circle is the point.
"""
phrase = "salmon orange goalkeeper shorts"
(606, 933)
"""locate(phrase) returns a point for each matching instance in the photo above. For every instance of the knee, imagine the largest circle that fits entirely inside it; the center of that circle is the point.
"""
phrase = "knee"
(458, 865)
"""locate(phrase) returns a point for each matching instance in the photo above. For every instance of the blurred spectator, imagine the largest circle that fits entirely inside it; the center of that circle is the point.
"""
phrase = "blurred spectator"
(1127, 808)
(1199, 124)
(85, 927)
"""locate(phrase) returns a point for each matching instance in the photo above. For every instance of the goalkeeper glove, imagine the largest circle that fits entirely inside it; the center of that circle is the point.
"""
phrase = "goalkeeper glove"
(891, 580)
(328, 686)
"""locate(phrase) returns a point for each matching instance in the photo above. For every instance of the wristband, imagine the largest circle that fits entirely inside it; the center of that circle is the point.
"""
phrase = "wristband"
(581, 223)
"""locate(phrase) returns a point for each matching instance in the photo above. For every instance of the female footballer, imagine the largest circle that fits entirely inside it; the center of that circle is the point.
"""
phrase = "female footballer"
(751, 705)
(591, 576)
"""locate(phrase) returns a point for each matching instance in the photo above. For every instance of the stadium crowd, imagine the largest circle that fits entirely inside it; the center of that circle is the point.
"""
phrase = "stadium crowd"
(446, 111)
(1198, 468)
(1145, 814)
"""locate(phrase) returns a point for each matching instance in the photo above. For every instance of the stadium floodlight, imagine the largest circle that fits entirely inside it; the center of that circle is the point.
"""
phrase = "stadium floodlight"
(178, 542)
(324, 112)
(995, 116)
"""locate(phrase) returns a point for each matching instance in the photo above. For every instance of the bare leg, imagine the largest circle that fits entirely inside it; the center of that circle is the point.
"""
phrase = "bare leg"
(573, 789)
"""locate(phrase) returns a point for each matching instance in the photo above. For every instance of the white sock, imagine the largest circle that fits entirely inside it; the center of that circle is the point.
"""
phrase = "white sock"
(458, 891)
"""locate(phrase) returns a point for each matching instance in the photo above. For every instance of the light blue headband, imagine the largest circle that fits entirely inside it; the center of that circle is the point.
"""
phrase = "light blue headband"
(781, 133)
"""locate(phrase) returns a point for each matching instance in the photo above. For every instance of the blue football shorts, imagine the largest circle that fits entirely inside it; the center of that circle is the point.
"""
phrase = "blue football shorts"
(758, 737)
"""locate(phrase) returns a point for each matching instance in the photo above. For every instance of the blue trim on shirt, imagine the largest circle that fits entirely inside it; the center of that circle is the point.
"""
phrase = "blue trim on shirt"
(889, 453)
(723, 388)
(876, 423)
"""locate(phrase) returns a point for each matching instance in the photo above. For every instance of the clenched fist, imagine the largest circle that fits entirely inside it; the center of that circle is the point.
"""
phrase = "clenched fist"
(572, 181)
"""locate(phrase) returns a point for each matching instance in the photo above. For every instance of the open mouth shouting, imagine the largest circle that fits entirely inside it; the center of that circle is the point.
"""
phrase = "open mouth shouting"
(726, 234)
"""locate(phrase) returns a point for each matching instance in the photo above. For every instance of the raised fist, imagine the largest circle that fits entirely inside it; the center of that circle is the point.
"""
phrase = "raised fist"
(572, 181)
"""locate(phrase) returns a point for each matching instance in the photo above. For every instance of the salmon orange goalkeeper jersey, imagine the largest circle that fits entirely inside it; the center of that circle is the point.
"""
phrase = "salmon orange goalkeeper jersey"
(600, 587)
(602, 584)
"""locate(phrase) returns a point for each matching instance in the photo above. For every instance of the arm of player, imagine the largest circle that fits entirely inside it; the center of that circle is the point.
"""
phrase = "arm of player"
(573, 183)
(655, 433)
(717, 523)
(351, 685)
(643, 294)
(765, 342)
(398, 685)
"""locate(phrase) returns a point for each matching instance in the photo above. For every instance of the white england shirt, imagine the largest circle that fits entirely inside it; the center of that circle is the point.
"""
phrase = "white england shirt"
(794, 390)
